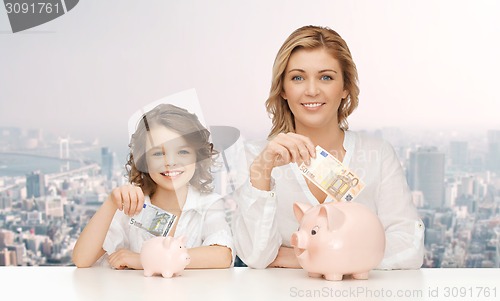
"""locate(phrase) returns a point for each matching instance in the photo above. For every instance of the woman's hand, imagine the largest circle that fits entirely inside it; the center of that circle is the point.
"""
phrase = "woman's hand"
(286, 148)
(125, 259)
(281, 150)
(128, 198)
(286, 259)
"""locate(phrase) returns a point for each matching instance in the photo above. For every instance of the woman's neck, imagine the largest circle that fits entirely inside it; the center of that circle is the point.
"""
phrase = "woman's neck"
(170, 200)
(329, 138)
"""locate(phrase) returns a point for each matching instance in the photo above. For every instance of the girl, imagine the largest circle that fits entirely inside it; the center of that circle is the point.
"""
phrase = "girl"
(314, 89)
(169, 167)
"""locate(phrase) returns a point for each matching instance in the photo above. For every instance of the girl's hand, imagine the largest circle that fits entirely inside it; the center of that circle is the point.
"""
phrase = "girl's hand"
(128, 198)
(125, 259)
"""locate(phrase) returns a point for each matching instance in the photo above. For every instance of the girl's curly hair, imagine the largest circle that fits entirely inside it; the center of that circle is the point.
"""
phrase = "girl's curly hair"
(185, 124)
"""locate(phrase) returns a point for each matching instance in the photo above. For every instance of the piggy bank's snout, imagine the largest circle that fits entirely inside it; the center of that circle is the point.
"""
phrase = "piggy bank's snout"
(295, 239)
(299, 240)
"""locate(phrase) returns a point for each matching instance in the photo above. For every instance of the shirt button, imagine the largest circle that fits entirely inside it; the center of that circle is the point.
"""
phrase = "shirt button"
(272, 194)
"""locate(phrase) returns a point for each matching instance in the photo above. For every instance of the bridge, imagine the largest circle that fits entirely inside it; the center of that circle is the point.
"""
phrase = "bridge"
(43, 156)
(22, 181)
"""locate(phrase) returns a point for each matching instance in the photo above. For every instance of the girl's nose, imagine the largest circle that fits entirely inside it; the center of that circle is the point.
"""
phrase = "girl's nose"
(170, 159)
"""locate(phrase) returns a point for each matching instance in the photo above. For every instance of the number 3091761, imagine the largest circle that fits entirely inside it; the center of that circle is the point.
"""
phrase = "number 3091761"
(32, 8)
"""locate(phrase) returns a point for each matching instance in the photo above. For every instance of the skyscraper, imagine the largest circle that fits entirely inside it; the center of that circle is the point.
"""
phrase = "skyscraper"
(493, 162)
(426, 174)
(107, 162)
(35, 184)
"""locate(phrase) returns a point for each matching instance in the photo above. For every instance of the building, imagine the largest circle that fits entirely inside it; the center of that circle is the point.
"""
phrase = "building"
(7, 257)
(6, 238)
(493, 158)
(35, 184)
(107, 164)
(17, 254)
(426, 174)
(54, 206)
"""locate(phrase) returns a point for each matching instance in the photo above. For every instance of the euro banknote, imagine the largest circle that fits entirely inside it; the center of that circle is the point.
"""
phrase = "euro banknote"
(332, 177)
(154, 220)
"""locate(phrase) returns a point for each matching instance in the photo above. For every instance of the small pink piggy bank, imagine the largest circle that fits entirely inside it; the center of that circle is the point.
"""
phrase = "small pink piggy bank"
(338, 239)
(164, 255)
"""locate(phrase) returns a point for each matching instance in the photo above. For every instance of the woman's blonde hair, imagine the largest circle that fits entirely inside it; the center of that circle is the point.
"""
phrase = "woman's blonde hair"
(185, 124)
(311, 37)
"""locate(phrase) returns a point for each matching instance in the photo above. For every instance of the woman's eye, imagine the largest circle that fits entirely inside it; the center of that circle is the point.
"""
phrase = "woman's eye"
(297, 77)
(326, 77)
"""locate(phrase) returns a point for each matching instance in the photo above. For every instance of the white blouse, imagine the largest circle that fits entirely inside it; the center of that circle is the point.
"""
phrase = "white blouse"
(202, 222)
(264, 220)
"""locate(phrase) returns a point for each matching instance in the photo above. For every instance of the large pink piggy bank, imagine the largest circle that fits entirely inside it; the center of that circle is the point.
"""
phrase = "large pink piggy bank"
(164, 255)
(338, 239)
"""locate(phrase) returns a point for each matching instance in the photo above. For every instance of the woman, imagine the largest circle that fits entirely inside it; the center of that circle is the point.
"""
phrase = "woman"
(314, 89)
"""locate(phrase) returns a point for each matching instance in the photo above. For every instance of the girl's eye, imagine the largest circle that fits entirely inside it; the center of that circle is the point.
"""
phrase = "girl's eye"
(297, 77)
(184, 152)
(326, 77)
(157, 154)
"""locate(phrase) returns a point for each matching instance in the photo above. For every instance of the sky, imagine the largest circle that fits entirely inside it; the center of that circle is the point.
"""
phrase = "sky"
(422, 64)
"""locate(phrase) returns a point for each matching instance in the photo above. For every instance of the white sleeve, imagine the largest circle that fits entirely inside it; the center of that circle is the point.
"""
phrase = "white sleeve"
(117, 236)
(216, 230)
(254, 223)
(403, 228)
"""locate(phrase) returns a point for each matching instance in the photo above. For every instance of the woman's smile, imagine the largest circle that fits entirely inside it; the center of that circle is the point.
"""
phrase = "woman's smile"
(313, 106)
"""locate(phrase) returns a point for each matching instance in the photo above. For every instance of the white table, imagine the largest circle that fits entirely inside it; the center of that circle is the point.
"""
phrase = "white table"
(70, 283)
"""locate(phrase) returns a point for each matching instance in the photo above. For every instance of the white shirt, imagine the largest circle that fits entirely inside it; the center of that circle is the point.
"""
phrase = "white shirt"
(265, 220)
(202, 222)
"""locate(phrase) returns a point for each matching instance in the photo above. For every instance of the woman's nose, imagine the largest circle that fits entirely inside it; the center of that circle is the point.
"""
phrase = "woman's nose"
(312, 88)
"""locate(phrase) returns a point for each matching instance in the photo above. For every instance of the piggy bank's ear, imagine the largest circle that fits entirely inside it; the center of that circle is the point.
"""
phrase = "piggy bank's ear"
(299, 209)
(334, 216)
(182, 240)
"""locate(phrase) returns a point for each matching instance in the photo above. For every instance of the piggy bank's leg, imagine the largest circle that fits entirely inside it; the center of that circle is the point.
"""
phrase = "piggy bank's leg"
(315, 275)
(148, 273)
(362, 276)
(334, 276)
(167, 274)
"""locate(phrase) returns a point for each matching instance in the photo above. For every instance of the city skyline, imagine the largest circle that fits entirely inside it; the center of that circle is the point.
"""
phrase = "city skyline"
(462, 226)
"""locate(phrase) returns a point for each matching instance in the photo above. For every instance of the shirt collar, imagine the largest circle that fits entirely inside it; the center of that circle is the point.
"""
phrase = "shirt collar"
(192, 200)
(348, 144)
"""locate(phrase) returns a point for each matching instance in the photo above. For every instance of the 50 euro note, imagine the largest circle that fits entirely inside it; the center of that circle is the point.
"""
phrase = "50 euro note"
(332, 177)
(154, 220)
